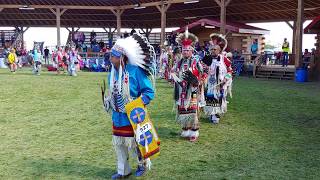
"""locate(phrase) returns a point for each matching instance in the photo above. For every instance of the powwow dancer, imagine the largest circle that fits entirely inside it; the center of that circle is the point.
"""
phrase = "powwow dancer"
(36, 62)
(133, 60)
(59, 60)
(73, 62)
(187, 73)
(12, 60)
(163, 64)
(219, 79)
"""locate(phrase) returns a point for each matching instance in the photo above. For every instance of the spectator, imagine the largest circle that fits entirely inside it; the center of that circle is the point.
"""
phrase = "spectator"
(46, 55)
(254, 49)
(125, 35)
(107, 62)
(2, 39)
(306, 58)
(285, 52)
(101, 44)
(84, 48)
(132, 32)
(93, 40)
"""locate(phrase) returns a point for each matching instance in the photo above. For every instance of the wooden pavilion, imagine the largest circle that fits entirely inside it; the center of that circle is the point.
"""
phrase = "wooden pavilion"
(148, 14)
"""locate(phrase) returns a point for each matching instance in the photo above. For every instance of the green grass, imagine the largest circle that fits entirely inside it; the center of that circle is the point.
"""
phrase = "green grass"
(54, 127)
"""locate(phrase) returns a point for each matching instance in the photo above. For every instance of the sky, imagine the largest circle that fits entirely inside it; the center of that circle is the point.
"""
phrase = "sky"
(278, 31)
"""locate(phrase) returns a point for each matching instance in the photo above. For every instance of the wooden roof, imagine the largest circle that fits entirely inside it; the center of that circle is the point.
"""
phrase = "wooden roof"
(313, 27)
(79, 16)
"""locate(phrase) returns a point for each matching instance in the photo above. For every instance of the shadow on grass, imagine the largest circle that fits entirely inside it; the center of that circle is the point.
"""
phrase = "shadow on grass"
(168, 133)
(49, 167)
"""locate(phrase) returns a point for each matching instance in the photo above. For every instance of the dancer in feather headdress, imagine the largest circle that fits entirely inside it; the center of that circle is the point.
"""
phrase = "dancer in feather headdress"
(133, 60)
(187, 75)
(219, 78)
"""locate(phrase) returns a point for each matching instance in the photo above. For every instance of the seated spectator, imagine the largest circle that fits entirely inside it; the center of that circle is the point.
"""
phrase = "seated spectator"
(96, 48)
(306, 58)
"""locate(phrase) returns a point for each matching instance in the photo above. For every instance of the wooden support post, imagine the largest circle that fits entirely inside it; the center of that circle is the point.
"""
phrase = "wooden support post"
(58, 22)
(58, 12)
(223, 14)
(23, 31)
(299, 34)
(163, 10)
(223, 17)
(110, 35)
(294, 30)
(118, 13)
(294, 42)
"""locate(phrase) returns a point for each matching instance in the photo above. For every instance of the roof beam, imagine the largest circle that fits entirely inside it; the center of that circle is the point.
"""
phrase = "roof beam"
(288, 23)
(63, 11)
(218, 2)
(151, 4)
(16, 6)
(228, 2)
(118, 13)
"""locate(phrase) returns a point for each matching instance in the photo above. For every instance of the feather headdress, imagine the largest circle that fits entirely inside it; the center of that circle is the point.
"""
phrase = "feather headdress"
(139, 52)
(187, 40)
(220, 40)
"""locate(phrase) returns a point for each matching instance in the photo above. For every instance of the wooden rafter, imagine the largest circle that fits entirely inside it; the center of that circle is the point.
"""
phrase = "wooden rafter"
(290, 25)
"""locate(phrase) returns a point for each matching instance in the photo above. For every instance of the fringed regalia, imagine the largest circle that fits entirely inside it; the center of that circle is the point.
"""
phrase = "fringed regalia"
(130, 90)
(219, 79)
(73, 62)
(186, 78)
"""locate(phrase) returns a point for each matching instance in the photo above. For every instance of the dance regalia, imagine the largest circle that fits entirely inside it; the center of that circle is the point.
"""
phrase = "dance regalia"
(37, 62)
(188, 71)
(73, 62)
(60, 62)
(130, 90)
(218, 81)
(164, 64)
(186, 95)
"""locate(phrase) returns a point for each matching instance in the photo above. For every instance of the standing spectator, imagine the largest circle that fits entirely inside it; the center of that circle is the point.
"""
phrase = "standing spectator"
(101, 44)
(132, 32)
(254, 49)
(93, 40)
(306, 58)
(2, 39)
(46, 55)
(285, 52)
(107, 62)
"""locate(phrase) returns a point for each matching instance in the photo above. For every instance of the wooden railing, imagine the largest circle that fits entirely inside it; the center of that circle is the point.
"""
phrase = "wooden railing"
(92, 55)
